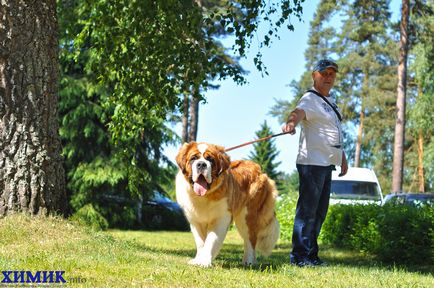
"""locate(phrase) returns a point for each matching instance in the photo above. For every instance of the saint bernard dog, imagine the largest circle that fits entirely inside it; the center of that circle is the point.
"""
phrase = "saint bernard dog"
(213, 192)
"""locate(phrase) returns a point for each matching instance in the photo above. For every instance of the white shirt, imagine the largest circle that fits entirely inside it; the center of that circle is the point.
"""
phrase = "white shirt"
(321, 131)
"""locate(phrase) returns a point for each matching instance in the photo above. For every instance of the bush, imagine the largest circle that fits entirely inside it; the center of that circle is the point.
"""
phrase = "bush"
(394, 233)
(87, 215)
(338, 226)
(407, 233)
(285, 215)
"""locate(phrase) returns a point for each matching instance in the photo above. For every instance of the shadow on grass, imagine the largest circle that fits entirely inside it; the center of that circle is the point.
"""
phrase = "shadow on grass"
(231, 256)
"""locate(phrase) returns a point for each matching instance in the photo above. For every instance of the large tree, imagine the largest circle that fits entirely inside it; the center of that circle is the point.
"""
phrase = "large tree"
(32, 178)
(126, 74)
(153, 52)
(418, 155)
(364, 48)
(398, 147)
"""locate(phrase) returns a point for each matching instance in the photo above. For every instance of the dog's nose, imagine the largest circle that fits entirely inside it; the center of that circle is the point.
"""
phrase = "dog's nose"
(201, 166)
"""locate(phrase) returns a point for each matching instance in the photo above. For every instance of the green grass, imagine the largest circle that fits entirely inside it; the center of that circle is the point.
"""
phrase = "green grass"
(158, 259)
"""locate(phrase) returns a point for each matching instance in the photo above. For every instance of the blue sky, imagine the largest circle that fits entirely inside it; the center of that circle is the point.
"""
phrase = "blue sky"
(234, 113)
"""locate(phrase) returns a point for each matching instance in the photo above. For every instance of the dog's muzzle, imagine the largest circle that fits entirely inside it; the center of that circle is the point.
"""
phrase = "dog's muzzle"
(201, 167)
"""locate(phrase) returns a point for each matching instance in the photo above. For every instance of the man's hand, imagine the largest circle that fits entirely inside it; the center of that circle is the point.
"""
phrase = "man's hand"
(344, 165)
(294, 117)
(289, 128)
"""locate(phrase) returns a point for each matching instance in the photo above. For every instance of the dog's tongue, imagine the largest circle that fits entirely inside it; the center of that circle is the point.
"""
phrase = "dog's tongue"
(200, 186)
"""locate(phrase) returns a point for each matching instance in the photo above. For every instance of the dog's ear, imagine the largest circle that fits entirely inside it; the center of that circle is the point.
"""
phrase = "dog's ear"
(224, 159)
(181, 158)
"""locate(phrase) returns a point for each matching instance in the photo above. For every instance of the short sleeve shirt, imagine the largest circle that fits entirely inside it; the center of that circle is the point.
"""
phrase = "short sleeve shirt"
(321, 134)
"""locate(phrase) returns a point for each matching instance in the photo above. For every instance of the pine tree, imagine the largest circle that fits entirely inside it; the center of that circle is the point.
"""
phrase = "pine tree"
(265, 152)
(398, 147)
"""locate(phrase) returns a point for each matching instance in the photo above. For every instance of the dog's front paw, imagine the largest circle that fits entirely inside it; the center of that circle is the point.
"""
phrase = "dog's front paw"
(249, 263)
(200, 262)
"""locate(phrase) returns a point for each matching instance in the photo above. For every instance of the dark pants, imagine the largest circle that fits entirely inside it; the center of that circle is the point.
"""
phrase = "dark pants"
(312, 206)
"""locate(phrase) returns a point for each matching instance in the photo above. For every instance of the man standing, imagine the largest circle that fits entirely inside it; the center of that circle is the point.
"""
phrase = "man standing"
(320, 149)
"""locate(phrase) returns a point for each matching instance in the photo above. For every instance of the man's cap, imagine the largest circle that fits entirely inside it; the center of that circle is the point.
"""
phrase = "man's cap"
(324, 64)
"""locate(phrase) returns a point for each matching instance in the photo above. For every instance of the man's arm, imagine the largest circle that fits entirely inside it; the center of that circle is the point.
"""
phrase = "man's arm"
(293, 119)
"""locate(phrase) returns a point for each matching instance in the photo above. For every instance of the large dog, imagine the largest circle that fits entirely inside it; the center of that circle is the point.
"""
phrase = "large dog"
(213, 192)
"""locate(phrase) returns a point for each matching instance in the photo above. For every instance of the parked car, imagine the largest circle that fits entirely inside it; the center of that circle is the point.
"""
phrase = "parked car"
(160, 212)
(358, 186)
(413, 199)
(156, 211)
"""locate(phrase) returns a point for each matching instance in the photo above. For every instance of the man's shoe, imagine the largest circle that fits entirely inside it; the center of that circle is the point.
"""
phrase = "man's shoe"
(304, 262)
(318, 262)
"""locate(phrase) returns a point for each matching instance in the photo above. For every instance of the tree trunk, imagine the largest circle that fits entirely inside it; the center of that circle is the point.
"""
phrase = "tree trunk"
(32, 178)
(398, 148)
(185, 106)
(359, 139)
(190, 116)
(194, 116)
(420, 171)
(364, 96)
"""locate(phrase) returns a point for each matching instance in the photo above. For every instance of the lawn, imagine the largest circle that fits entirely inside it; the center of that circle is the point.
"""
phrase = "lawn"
(158, 259)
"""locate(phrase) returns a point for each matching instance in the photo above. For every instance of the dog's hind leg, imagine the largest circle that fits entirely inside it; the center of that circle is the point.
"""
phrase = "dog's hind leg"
(249, 257)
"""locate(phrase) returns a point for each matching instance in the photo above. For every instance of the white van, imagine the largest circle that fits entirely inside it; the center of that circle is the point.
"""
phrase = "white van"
(358, 186)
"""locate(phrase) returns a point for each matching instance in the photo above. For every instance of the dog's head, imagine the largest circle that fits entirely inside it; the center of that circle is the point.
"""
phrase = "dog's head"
(202, 164)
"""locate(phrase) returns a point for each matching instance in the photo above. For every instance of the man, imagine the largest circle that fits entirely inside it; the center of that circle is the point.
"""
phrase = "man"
(320, 149)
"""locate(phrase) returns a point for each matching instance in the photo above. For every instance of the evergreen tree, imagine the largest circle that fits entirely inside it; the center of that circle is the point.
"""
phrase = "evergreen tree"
(367, 84)
(265, 152)
(98, 170)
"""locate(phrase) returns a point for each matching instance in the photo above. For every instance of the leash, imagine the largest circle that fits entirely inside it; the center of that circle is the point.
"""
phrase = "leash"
(254, 141)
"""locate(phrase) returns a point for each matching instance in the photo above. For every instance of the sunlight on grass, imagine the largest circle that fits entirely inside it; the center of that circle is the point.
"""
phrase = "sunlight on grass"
(159, 259)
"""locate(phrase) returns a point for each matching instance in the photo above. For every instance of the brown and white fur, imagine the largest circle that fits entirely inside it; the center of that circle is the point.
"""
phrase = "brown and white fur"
(213, 192)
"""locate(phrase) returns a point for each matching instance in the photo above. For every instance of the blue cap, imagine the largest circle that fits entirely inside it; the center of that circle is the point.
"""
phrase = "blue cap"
(324, 64)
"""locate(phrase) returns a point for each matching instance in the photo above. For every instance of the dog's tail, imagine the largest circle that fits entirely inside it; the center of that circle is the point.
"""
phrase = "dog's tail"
(269, 231)
(268, 237)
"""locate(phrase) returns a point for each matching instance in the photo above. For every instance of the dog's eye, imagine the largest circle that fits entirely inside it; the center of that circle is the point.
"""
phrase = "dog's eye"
(194, 158)
(210, 159)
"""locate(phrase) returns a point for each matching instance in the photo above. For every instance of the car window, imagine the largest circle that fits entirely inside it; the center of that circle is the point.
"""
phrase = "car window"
(398, 200)
(420, 200)
(355, 190)
(159, 197)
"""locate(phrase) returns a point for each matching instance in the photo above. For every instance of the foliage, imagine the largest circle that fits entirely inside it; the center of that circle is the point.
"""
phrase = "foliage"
(125, 65)
(288, 184)
(97, 167)
(394, 233)
(421, 95)
(87, 215)
(150, 52)
(285, 213)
